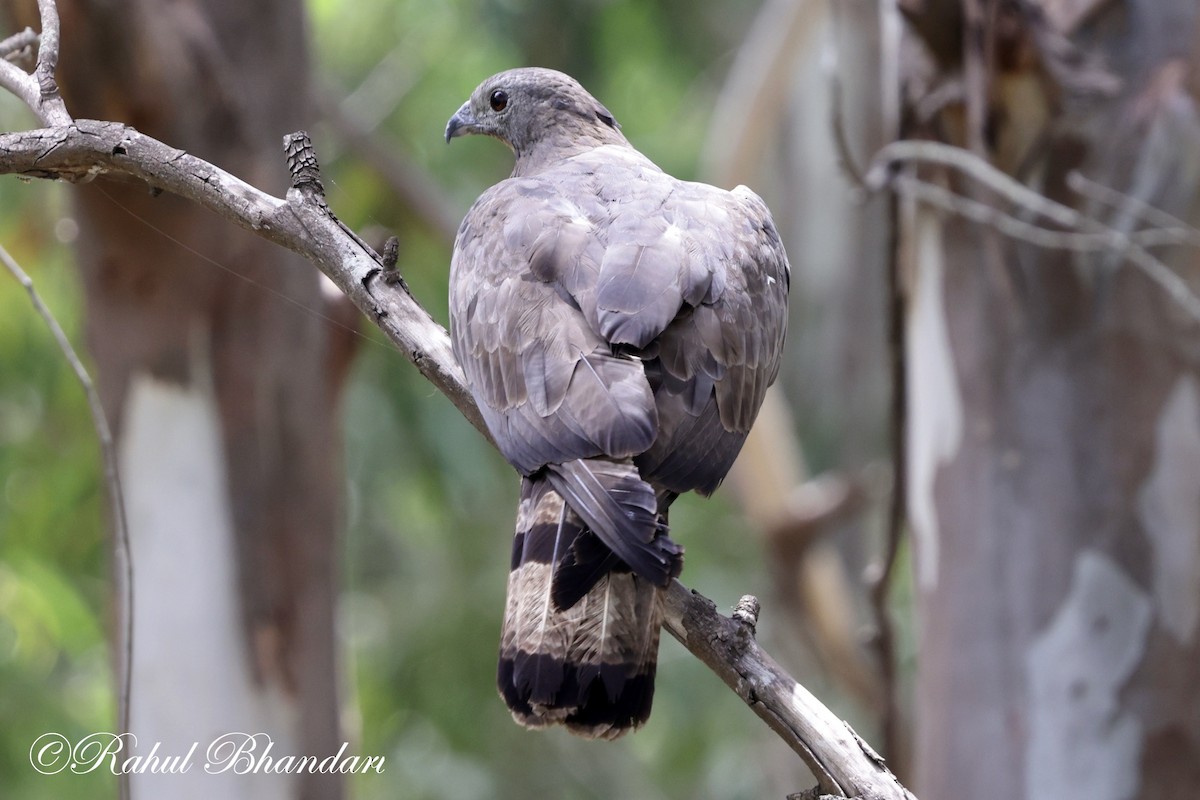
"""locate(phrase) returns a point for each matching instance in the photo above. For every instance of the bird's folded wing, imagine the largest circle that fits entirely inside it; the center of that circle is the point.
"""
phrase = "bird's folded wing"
(602, 321)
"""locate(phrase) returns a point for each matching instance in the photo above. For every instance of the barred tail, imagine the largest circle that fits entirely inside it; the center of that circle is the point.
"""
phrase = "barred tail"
(579, 642)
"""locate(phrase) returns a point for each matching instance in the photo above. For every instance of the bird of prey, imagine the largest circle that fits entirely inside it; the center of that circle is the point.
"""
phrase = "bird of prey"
(618, 329)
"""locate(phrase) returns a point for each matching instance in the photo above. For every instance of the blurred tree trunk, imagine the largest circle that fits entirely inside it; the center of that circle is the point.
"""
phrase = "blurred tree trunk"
(1054, 436)
(222, 388)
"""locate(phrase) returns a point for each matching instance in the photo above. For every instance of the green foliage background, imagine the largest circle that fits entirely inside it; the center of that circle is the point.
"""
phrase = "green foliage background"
(429, 504)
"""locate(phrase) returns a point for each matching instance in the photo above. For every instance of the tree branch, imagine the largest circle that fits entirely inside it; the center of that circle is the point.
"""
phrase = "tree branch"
(18, 46)
(123, 568)
(883, 571)
(88, 148)
(843, 764)
(39, 91)
(1083, 234)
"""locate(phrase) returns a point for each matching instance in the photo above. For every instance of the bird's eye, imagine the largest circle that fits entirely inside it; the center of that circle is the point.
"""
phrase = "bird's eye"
(498, 100)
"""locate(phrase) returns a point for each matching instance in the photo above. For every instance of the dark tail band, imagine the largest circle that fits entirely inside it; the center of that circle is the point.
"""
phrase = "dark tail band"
(584, 656)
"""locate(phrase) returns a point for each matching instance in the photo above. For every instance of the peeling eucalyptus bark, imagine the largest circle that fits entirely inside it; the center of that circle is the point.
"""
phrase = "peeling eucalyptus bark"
(1057, 536)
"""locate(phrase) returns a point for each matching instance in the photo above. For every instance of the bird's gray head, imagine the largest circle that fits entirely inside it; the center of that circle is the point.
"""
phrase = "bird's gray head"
(533, 109)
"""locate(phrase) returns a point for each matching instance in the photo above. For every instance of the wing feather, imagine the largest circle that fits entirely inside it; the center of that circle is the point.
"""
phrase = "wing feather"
(603, 309)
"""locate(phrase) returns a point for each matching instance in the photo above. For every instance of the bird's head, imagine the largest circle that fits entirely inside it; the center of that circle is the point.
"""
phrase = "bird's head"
(530, 107)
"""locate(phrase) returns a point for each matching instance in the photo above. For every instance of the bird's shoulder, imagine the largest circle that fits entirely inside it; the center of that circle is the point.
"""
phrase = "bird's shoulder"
(621, 196)
(624, 243)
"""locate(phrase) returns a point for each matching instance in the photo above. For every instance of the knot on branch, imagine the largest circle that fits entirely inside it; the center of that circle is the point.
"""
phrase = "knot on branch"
(389, 259)
(47, 86)
(746, 612)
(391, 252)
(302, 163)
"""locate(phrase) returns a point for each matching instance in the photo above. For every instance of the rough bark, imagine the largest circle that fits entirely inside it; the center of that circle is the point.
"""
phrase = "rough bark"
(1055, 432)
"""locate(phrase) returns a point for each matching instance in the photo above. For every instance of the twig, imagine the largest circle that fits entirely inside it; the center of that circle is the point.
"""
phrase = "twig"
(89, 148)
(47, 59)
(1072, 69)
(880, 173)
(1167, 224)
(19, 44)
(39, 91)
(50, 103)
(21, 83)
(884, 640)
(1017, 228)
(1109, 239)
(116, 500)
(1171, 231)
(1084, 234)
(841, 762)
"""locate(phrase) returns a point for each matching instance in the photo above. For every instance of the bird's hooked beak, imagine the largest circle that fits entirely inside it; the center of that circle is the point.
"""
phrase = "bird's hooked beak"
(462, 123)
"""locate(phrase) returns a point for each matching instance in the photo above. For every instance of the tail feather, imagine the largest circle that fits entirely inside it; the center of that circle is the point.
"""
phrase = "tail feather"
(621, 509)
(586, 562)
(589, 666)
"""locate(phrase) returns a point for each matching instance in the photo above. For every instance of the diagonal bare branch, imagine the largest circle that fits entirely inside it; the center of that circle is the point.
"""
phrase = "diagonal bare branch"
(844, 765)
(90, 148)
(39, 91)
(840, 760)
